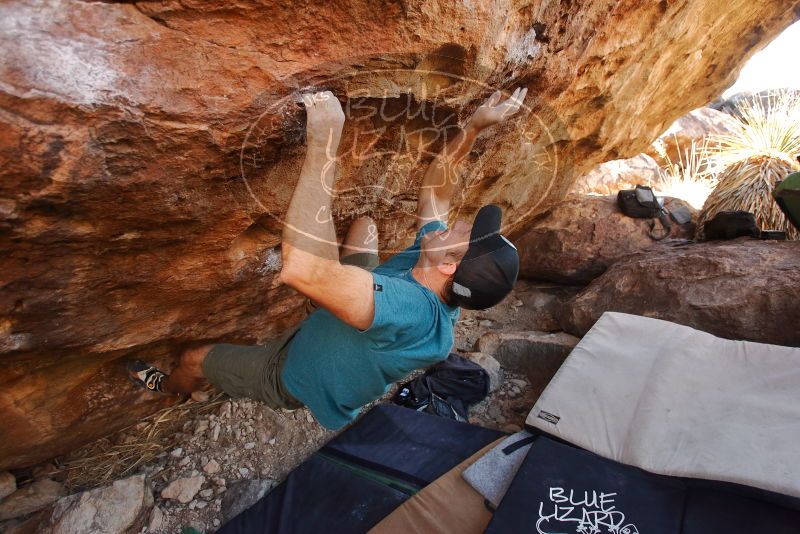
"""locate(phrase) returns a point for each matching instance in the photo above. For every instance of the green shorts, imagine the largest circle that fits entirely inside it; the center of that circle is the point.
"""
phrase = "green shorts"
(365, 260)
(254, 371)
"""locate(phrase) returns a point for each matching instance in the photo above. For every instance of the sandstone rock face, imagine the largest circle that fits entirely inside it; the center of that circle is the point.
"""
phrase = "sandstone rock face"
(611, 176)
(121, 508)
(692, 127)
(150, 150)
(742, 289)
(583, 235)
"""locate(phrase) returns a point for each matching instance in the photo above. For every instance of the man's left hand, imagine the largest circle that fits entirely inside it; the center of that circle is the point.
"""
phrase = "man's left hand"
(325, 120)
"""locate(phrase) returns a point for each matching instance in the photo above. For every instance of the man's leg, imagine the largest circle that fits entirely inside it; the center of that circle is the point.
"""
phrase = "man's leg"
(252, 371)
(188, 376)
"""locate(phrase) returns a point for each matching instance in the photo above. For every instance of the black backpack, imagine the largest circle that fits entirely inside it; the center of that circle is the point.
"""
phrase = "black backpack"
(730, 225)
(447, 389)
(641, 203)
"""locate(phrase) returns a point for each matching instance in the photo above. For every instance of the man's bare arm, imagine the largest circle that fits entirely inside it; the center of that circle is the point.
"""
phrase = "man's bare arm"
(309, 250)
(442, 176)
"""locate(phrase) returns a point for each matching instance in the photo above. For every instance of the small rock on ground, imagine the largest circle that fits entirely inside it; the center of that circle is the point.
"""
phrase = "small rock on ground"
(156, 522)
(31, 498)
(211, 467)
(122, 507)
(183, 490)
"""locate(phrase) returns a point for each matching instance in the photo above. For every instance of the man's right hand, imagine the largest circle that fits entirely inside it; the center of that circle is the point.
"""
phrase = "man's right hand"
(324, 122)
(493, 111)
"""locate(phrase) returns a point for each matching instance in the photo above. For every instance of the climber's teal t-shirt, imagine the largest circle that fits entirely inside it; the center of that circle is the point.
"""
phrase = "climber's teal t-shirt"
(335, 369)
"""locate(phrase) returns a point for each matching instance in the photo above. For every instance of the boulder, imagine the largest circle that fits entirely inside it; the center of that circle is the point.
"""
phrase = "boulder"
(742, 289)
(183, 490)
(150, 150)
(121, 508)
(611, 176)
(583, 235)
(537, 355)
(31, 498)
(695, 126)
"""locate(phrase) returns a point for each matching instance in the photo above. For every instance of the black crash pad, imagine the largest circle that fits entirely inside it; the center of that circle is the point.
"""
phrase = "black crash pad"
(563, 489)
(363, 474)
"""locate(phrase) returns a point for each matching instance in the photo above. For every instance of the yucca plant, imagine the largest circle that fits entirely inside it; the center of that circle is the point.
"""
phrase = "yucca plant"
(763, 150)
(691, 178)
(747, 185)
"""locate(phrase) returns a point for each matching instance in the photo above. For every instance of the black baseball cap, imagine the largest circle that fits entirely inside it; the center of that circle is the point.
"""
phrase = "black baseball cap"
(489, 269)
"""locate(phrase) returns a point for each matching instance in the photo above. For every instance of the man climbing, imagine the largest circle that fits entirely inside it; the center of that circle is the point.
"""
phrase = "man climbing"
(375, 323)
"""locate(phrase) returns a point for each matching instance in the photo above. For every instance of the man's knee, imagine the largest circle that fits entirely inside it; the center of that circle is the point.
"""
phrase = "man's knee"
(192, 360)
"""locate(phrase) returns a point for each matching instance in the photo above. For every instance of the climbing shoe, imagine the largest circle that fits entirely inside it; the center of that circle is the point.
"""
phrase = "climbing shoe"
(145, 375)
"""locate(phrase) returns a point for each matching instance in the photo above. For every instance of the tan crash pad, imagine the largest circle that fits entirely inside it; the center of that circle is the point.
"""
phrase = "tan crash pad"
(446, 505)
(676, 401)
